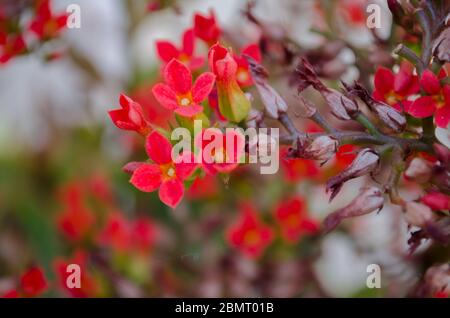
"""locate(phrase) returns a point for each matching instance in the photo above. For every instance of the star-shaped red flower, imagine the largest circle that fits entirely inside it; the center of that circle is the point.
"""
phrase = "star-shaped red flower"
(178, 93)
(164, 173)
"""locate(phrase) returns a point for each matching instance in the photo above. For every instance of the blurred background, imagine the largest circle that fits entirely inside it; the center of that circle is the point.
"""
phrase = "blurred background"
(65, 199)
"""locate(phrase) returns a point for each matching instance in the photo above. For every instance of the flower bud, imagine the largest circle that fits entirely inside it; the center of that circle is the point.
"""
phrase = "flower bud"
(441, 47)
(341, 106)
(273, 102)
(418, 214)
(368, 200)
(387, 114)
(130, 116)
(437, 278)
(322, 148)
(233, 103)
(419, 170)
(365, 162)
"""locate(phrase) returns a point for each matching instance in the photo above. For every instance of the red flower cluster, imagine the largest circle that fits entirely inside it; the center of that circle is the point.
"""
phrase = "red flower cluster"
(44, 25)
(251, 236)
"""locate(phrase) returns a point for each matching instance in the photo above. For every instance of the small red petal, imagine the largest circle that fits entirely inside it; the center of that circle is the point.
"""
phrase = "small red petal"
(189, 111)
(423, 107)
(203, 86)
(147, 177)
(442, 116)
(430, 82)
(178, 76)
(384, 80)
(165, 96)
(158, 148)
(171, 192)
(253, 51)
(166, 51)
(188, 42)
(185, 165)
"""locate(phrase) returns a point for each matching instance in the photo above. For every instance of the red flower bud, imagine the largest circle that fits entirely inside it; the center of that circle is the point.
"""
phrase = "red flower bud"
(233, 103)
(130, 116)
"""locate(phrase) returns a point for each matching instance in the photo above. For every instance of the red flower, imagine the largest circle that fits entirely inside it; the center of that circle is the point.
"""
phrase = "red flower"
(10, 294)
(130, 116)
(220, 152)
(437, 201)
(167, 51)
(33, 282)
(394, 89)
(243, 76)
(291, 215)
(12, 46)
(354, 11)
(76, 220)
(233, 103)
(178, 94)
(164, 173)
(142, 234)
(88, 286)
(436, 102)
(206, 28)
(45, 25)
(115, 233)
(249, 234)
(294, 169)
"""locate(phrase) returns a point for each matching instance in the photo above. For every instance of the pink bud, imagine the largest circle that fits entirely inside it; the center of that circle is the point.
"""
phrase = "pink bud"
(368, 200)
(365, 162)
(322, 148)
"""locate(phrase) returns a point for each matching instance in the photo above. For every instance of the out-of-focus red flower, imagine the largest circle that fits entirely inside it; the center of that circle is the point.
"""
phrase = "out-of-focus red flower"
(88, 288)
(130, 116)
(142, 234)
(115, 232)
(394, 89)
(292, 217)
(206, 28)
(437, 201)
(220, 152)
(203, 188)
(354, 11)
(46, 25)
(11, 294)
(164, 173)
(243, 75)
(178, 93)
(99, 186)
(33, 282)
(233, 103)
(249, 234)
(345, 156)
(295, 169)
(12, 46)
(76, 219)
(441, 294)
(436, 102)
(168, 51)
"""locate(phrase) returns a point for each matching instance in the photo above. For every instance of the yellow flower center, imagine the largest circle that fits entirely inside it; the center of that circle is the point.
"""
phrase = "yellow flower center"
(251, 237)
(168, 171)
(242, 75)
(439, 100)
